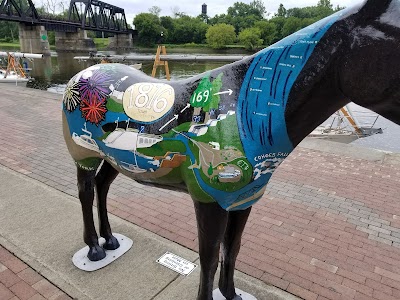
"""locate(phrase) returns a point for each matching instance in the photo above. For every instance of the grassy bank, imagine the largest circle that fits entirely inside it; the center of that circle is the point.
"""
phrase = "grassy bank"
(9, 46)
(16, 47)
(102, 43)
(193, 46)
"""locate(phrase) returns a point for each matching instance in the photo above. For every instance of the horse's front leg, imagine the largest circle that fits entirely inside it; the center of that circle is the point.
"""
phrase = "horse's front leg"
(230, 250)
(86, 196)
(103, 180)
(211, 225)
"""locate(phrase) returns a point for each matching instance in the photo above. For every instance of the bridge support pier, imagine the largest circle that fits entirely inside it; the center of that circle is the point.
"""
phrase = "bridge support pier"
(33, 39)
(120, 41)
(74, 42)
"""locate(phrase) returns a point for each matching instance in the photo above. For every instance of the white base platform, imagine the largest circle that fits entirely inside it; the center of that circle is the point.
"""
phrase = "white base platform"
(245, 296)
(82, 262)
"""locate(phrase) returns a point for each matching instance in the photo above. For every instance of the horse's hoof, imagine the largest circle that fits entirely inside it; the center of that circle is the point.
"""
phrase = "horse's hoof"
(111, 243)
(96, 253)
(228, 296)
(236, 297)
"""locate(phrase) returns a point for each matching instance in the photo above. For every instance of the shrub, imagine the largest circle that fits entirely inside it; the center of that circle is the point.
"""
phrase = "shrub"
(220, 35)
(250, 38)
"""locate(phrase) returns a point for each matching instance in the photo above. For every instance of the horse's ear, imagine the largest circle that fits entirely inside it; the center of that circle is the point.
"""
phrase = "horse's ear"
(373, 8)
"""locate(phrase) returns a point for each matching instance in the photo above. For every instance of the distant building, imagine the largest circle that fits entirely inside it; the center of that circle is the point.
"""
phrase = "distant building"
(204, 9)
(204, 13)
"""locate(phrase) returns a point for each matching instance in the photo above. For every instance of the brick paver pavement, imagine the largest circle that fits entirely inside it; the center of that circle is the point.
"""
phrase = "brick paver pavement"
(328, 227)
(19, 281)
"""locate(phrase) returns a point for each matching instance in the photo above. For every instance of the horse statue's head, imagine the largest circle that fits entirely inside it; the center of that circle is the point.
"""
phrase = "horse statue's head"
(356, 60)
(369, 68)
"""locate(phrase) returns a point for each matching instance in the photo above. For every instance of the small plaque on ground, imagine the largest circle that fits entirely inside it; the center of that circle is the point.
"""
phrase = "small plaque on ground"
(176, 263)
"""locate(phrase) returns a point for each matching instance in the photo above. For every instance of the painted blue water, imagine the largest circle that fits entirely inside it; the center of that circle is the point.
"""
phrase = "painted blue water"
(266, 88)
(225, 199)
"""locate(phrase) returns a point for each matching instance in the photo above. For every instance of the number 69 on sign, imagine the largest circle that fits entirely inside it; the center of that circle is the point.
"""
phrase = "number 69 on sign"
(201, 98)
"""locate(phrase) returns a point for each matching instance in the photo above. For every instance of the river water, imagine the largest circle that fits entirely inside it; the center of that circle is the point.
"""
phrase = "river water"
(53, 73)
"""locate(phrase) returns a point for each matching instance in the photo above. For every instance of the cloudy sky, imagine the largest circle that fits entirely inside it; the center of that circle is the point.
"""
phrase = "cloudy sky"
(193, 7)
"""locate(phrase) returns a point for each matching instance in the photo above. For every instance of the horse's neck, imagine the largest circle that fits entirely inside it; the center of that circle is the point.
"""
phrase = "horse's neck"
(312, 106)
(317, 93)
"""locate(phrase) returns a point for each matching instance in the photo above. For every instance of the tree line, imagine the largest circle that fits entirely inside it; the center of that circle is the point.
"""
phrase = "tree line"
(248, 24)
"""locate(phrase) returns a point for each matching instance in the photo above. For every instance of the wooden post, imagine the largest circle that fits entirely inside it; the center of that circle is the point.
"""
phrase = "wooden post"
(351, 121)
(158, 62)
(14, 65)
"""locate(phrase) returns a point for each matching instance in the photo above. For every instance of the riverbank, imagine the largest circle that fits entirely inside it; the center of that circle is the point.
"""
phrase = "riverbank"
(102, 44)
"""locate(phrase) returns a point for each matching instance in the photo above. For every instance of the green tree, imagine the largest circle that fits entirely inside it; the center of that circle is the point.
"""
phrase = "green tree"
(210, 170)
(91, 34)
(188, 30)
(149, 28)
(281, 11)
(279, 23)
(317, 12)
(307, 22)
(155, 10)
(199, 33)
(168, 24)
(259, 7)
(220, 35)
(216, 86)
(8, 31)
(203, 17)
(242, 15)
(292, 25)
(251, 38)
(268, 31)
(338, 7)
(218, 19)
(51, 37)
(325, 3)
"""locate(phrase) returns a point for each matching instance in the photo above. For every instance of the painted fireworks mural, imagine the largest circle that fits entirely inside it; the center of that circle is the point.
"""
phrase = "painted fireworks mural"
(88, 90)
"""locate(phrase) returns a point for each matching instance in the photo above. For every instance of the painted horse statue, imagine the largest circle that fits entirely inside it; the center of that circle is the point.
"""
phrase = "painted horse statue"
(221, 135)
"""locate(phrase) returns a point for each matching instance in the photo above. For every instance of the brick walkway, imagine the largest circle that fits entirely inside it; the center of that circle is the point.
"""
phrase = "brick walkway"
(328, 228)
(18, 281)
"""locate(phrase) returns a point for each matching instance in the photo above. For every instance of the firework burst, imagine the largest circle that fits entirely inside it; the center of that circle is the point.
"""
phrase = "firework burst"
(71, 97)
(96, 85)
(93, 109)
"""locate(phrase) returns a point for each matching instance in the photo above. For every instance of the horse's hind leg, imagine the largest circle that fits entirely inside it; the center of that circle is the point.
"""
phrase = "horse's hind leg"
(86, 196)
(230, 249)
(103, 180)
(211, 224)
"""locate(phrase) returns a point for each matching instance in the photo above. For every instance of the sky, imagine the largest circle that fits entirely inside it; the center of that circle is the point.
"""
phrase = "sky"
(193, 7)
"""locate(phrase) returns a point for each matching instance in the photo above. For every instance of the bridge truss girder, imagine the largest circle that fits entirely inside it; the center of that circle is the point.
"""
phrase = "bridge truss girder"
(98, 15)
(21, 11)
